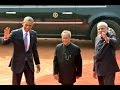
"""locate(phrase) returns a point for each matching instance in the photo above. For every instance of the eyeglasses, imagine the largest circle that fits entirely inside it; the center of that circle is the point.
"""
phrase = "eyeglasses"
(67, 57)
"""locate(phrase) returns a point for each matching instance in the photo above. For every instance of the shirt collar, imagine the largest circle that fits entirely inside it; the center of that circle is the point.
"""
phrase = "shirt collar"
(24, 31)
(67, 45)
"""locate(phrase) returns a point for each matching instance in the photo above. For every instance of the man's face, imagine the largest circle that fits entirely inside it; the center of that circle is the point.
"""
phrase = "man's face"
(27, 26)
(101, 29)
(66, 39)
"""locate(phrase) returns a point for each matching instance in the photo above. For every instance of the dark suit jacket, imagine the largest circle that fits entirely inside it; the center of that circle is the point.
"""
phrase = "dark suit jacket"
(19, 55)
(105, 58)
(67, 69)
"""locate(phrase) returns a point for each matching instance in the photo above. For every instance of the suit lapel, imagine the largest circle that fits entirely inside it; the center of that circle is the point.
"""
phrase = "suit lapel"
(21, 37)
(31, 38)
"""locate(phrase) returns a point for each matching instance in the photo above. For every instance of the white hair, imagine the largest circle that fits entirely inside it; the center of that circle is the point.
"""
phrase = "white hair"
(102, 24)
(66, 31)
(28, 19)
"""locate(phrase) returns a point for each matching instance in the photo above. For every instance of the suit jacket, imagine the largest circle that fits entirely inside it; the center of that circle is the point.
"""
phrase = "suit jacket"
(105, 58)
(68, 65)
(20, 56)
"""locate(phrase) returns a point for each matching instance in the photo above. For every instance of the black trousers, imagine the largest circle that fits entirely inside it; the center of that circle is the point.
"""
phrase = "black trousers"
(67, 83)
(107, 79)
(29, 76)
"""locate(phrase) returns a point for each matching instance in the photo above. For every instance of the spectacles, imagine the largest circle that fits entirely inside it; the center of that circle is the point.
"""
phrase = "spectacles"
(67, 57)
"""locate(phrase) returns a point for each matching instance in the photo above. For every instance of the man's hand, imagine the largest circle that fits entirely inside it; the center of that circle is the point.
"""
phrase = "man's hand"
(56, 76)
(105, 37)
(94, 75)
(6, 33)
(38, 68)
(77, 77)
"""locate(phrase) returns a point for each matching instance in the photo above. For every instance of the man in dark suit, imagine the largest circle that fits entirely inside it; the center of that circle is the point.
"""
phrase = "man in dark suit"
(67, 63)
(24, 41)
(105, 64)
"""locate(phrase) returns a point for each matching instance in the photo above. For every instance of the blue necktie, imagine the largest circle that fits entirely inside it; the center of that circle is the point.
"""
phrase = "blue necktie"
(26, 41)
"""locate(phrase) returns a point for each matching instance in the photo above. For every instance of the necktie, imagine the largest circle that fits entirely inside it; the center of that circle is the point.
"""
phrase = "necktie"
(26, 41)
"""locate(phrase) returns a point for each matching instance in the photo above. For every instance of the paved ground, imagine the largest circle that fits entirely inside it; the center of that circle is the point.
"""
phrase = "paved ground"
(46, 52)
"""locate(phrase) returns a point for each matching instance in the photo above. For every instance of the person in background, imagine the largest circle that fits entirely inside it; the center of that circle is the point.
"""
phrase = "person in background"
(25, 52)
(105, 64)
(67, 63)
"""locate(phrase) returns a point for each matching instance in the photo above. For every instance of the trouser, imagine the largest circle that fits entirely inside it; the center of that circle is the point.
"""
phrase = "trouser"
(29, 76)
(107, 79)
(67, 83)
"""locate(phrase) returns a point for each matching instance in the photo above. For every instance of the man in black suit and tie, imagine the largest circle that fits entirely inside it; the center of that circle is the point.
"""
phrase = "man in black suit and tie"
(24, 41)
(105, 64)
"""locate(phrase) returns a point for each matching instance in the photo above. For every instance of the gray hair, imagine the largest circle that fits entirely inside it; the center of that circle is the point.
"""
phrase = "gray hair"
(102, 24)
(66, 31)
(28, 19)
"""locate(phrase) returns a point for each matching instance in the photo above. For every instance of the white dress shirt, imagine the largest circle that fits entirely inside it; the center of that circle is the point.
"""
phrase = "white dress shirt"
(28, 37)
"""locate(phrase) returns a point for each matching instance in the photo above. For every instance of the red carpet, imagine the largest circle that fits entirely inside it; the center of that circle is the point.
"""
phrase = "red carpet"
(86, 79)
